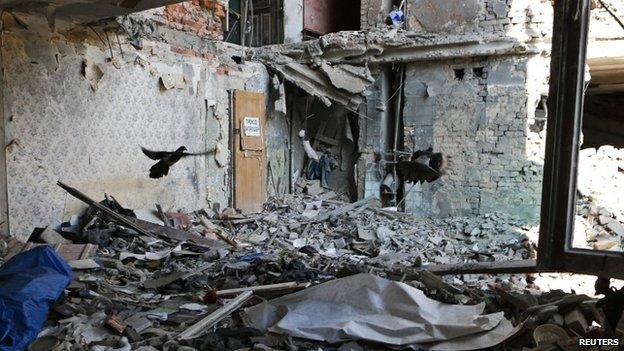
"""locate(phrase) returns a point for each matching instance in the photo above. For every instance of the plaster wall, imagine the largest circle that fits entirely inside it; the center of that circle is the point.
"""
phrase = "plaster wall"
(61, 126)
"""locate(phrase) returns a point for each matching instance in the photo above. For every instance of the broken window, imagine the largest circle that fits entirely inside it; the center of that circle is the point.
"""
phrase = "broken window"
(541, 113)
(255, 23)
(459, 73)
(581, 225)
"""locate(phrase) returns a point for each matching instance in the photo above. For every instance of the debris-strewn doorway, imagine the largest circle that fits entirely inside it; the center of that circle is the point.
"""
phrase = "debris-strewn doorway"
(332, 132)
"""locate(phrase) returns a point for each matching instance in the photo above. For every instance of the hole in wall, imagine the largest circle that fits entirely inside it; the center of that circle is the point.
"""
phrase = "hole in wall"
(602, 120)
(459, 73)
(541, 113)
(237, 59)
(478, 72)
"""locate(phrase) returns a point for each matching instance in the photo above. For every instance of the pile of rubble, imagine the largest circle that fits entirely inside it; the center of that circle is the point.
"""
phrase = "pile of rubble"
(220, 280)
(601, 199)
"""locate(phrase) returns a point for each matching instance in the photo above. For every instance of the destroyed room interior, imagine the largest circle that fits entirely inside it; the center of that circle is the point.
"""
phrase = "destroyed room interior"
(325, 175)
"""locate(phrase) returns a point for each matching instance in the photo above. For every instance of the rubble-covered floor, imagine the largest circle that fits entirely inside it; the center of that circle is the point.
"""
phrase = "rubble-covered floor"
(145, 292)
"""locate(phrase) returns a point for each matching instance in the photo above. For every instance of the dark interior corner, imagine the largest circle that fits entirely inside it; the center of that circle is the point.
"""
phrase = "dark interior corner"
(603, 120)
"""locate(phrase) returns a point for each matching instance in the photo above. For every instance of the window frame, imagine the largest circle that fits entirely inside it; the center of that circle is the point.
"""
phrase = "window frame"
(565, 106)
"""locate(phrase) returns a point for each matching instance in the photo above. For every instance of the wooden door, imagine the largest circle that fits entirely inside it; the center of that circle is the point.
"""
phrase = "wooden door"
(249, 151)
(267, 22)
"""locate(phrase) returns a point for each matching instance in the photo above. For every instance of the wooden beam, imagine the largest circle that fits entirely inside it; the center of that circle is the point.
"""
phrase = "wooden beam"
(204, 325)
(271, 288)
(519, 266)
(217, 231)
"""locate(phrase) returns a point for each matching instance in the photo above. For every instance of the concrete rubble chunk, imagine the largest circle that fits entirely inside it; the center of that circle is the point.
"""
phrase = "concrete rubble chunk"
(616, 228)
(52, 237)
(93, 73)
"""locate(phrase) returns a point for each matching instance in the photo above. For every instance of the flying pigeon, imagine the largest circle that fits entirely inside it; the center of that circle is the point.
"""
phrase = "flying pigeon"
(166, 159)
(424, 165)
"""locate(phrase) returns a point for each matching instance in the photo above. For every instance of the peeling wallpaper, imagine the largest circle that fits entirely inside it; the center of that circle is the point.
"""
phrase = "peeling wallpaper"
(64, 130)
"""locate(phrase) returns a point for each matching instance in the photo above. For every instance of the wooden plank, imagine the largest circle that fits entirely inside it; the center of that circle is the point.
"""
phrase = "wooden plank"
(83, 264)
(519, 266)
(69, 252)
(129, 4)
(87, 251)
(174, 234)
(217, 232)
(162, 215)
(204, 325)
(249, 153)
(271, 288)
(326, 140)
(319, 133)
(343, 209)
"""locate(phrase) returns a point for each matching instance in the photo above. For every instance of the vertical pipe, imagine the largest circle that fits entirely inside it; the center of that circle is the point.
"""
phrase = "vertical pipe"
(384, 99)
(398, 116)
(243, 27)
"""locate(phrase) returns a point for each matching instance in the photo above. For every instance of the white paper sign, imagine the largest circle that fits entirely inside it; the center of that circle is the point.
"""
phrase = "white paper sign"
(251, 126)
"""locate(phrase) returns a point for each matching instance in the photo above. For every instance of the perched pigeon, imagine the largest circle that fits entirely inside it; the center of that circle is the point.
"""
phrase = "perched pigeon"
(166, 159)
(425, 165)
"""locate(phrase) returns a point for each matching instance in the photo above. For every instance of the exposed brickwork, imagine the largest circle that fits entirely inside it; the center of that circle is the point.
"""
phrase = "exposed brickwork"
(480, 111)
(482, 121)
(202, 17)
(371, 15)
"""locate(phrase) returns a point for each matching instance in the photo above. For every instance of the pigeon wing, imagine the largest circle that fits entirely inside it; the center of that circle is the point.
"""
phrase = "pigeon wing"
(155, 155)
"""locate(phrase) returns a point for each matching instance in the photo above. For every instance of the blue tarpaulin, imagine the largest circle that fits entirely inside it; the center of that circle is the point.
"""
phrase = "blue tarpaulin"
(30, 283)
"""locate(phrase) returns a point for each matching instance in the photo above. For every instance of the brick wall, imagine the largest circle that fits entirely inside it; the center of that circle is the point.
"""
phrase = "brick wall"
(371, 14)
(524, 19)
(201, 17)
(480, 111)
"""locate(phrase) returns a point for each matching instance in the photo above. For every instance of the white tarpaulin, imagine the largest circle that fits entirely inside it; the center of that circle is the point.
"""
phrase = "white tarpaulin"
(366, 307)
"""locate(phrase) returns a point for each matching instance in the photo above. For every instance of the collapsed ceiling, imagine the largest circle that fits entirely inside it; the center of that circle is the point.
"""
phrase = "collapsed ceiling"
(335, 67)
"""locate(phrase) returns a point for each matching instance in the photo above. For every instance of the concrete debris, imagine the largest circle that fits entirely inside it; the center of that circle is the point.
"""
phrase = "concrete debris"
(343, 84)
(157, 287)
(383, 46)
(51, 237)
(318, 66)
(600, 207)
